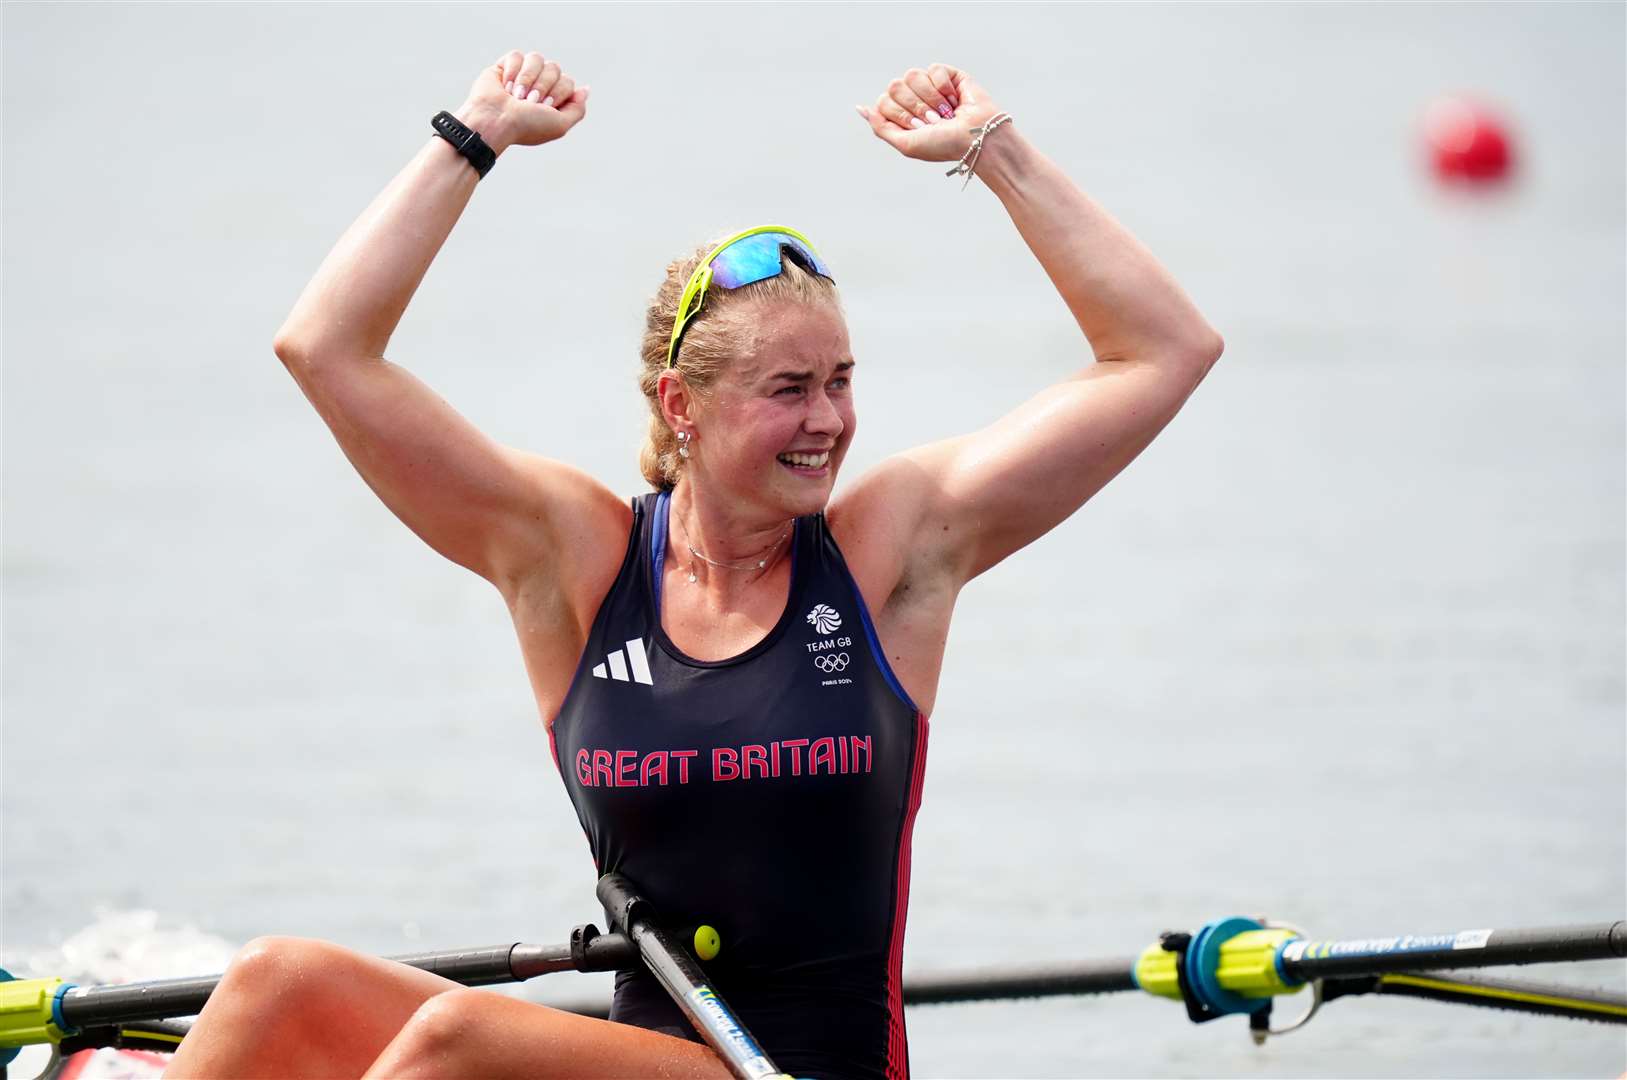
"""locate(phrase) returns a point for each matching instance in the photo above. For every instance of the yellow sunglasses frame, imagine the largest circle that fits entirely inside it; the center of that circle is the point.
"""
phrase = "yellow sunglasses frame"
(695, 291)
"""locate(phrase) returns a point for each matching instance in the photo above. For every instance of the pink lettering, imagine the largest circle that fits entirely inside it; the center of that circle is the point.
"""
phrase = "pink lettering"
(860, 744)
(653, 769)
(632, 768)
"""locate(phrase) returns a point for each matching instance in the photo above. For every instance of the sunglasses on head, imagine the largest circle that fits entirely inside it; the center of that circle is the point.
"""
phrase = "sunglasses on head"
(743, 259)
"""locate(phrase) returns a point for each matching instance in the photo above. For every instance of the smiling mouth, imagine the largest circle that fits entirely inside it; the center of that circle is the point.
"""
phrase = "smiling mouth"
(806, 462)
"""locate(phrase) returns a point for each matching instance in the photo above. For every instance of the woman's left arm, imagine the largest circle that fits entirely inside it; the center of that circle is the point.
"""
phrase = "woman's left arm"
(973, 500)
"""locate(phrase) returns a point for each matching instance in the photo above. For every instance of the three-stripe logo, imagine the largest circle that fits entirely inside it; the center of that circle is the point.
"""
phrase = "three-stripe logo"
(629, 666)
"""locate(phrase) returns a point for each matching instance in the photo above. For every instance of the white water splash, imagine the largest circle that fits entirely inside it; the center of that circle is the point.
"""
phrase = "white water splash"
(124, 946)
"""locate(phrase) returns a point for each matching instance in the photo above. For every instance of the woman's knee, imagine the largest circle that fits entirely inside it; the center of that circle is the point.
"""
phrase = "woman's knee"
(271, 970)
(454, 1022)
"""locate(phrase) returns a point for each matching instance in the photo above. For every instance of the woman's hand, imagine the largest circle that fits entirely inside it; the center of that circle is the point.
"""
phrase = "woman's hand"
(523, 100)
(929, 115)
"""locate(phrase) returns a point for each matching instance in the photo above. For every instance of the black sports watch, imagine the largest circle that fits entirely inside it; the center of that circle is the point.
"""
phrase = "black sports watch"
(466, 140)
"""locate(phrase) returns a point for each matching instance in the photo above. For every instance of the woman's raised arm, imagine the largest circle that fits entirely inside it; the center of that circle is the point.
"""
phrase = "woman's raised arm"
(490, 508)
(966, 503)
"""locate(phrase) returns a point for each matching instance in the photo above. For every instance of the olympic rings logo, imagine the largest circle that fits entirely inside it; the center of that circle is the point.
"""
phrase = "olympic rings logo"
(829, 664)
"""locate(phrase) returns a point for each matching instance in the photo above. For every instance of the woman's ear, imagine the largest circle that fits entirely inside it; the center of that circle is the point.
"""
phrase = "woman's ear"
(676, 400)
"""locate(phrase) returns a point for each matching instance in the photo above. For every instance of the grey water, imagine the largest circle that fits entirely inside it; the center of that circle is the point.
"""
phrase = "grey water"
(1344, 647)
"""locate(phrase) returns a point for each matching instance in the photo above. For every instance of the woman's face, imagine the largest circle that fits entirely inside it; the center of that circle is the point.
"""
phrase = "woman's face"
(778, 421)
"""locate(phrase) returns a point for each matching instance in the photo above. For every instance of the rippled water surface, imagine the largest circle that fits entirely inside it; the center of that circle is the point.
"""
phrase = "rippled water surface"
(1345, 646)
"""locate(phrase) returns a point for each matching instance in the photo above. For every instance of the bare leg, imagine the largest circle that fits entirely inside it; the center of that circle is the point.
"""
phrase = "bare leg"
(475, 1033)
(289, 1007)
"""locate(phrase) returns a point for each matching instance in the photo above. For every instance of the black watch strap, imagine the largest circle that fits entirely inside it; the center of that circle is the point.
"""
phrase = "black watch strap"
(466, 139)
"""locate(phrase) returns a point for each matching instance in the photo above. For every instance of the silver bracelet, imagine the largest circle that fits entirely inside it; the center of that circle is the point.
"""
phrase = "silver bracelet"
(968, 160)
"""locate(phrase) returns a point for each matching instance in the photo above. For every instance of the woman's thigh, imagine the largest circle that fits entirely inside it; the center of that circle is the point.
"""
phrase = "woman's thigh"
(291, 1007)
(467, 1033)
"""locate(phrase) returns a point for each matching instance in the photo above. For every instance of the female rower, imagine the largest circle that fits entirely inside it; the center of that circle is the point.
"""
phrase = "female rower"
(736, 651)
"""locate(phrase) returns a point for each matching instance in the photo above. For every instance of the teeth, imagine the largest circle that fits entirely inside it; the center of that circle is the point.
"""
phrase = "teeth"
(808, 461)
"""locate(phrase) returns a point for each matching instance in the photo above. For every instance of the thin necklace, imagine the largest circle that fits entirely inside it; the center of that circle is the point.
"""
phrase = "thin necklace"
(758, 565)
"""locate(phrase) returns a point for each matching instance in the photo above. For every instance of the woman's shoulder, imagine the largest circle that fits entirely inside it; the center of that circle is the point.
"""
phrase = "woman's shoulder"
(879, 510)
(587, 529)
(871, 522)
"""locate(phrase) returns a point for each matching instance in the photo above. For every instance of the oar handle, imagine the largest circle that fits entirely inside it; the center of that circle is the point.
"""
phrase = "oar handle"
(587, 950)
(681, 976)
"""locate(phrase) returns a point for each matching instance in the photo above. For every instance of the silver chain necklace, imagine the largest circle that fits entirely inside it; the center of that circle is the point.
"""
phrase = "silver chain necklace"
(758, 565)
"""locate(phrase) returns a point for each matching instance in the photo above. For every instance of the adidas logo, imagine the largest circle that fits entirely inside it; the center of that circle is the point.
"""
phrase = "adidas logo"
(620, 662)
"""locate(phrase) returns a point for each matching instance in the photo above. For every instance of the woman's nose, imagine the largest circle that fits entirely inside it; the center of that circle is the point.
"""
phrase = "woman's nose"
(822, 415)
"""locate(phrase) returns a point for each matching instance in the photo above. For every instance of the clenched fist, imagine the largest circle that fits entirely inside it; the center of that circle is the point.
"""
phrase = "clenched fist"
(929, 114)
(523, 100)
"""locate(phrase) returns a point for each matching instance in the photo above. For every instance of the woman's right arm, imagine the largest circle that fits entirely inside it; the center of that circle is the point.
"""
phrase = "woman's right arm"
(500, 512)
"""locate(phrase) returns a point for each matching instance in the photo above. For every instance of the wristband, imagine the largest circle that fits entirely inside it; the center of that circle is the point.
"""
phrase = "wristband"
(465, 140)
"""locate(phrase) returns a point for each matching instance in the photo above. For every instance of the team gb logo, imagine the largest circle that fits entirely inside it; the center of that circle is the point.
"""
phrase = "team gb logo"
(824, 619)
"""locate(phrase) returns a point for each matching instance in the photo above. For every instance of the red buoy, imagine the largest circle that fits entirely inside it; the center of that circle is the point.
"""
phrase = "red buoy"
(1467, 142)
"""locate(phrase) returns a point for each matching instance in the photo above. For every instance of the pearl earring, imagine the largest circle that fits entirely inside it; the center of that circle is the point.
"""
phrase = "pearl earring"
(683, 444)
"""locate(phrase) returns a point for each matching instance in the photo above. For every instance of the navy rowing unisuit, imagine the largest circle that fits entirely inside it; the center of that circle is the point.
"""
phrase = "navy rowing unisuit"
(770, 795)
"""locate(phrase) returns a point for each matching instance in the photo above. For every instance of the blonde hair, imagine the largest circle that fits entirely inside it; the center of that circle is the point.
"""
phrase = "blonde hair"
(709, 343)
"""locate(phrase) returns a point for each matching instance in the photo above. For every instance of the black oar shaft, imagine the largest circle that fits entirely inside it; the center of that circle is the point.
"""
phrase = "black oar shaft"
(517, 963)
(1465, 949)
(479, 967)
(96, 1006)
(684, 981)
(1096, 977)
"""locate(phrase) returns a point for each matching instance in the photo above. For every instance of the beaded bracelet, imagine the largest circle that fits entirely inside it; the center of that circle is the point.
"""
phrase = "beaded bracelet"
(968, 160)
